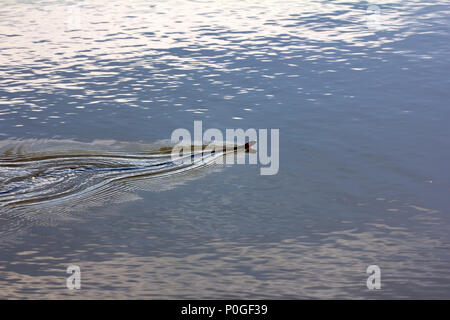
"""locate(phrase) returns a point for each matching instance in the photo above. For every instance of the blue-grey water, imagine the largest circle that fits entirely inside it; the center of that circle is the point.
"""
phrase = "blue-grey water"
(359, 91)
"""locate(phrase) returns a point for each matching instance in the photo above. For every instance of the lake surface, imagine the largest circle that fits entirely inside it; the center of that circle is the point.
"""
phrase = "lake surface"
(359, 92)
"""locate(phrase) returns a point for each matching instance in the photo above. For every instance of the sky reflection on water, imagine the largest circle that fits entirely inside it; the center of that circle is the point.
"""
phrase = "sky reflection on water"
(363, 118)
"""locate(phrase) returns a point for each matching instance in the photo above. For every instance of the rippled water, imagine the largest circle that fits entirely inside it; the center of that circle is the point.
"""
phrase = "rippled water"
(29, 178)
(361, 101)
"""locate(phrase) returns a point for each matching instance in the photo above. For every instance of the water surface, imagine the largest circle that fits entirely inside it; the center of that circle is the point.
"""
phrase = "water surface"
(363, 118)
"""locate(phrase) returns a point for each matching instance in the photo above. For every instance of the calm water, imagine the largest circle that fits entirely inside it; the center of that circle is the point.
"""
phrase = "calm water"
(362, 109)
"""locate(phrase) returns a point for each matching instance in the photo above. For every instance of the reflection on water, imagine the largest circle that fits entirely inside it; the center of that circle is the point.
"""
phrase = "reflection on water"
(62, 63)
(330, 265)
(362, 113)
